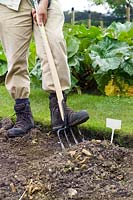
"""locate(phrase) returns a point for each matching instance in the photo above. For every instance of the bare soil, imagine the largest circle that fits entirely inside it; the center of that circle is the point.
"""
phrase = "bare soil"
(35, 167)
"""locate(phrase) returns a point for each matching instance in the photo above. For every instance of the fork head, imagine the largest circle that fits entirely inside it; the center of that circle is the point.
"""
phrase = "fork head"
(69, 136)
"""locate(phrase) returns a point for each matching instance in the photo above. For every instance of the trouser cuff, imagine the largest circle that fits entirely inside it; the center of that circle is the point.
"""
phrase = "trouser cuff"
(25, 100)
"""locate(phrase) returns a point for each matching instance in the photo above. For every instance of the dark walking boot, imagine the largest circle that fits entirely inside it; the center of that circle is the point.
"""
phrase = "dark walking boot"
(72, 118)
(24, 121)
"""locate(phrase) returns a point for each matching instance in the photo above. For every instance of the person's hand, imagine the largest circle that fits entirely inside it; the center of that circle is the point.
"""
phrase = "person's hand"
(40, 15)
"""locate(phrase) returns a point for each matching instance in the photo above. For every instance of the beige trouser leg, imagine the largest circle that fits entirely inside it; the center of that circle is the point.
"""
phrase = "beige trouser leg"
(15, 34)
(55, 36)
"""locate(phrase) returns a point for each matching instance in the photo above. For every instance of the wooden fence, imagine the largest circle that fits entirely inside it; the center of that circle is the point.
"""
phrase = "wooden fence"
(101, 18)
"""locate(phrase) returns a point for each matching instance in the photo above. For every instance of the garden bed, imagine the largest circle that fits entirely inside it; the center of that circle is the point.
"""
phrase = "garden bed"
(35, 167)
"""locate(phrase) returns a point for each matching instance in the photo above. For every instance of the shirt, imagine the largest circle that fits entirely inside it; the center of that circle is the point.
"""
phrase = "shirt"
(13, 4)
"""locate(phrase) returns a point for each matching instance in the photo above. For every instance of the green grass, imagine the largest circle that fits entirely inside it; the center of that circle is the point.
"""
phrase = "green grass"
(99, 108)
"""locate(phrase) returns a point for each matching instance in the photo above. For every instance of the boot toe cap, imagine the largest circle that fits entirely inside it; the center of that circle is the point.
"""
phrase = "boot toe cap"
(78, 118)
(15, 132)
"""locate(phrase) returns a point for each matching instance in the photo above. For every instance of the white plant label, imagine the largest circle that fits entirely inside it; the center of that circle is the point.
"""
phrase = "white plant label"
(113, 124)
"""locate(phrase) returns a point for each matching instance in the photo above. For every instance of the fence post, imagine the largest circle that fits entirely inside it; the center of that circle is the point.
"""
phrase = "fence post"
(89, 19)
(128, 12)
(73, 16)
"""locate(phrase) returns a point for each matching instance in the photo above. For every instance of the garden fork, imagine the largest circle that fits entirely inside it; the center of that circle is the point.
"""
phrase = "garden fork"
(66, 131)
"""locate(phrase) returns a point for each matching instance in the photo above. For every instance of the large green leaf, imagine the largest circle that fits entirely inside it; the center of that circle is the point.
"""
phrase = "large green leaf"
(72, 46)
(36, 71)
(119, 27)
(122, 32)
(3, 69)
(128, 66)
(73, 62)
(106, 64)
(102, 80)
(2, 54)
(108, 54)
(110, 57)
(32, 55)
(3, 62)
(80, 31)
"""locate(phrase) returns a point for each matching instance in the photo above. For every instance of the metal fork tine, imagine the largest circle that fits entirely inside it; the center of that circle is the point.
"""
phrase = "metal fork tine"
(67, 132)
(75, 140)
(68, 141)
(81, 134)
(61, 143)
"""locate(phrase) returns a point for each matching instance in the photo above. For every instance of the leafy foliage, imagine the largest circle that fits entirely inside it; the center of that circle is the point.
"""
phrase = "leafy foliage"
(121, 32)
(95, 57)
(100, 54)
(80, 38)
(32, 55)
(111, 57)
(3, 62)
(36, 74)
